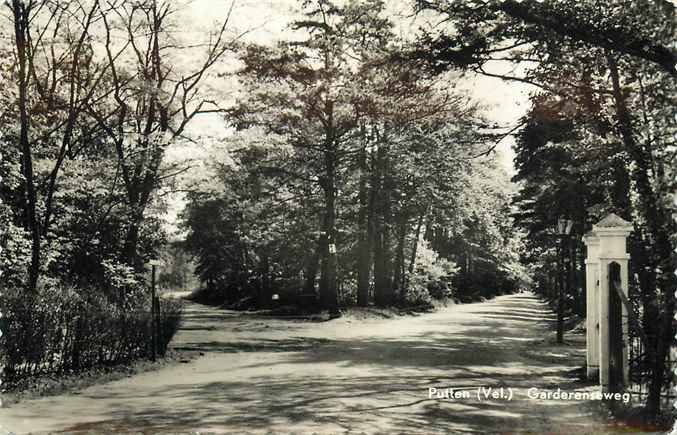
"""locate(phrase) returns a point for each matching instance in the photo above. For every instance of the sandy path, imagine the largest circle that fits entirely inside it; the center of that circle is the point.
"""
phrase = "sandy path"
(275, 376)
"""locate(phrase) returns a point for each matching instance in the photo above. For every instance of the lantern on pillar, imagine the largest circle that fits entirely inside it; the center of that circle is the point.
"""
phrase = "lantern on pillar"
(564, 227)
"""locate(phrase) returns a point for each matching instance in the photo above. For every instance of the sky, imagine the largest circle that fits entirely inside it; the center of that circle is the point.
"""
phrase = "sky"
(266, 21)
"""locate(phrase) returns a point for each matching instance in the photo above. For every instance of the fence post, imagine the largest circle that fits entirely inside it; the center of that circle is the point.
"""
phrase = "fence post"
(152, 314)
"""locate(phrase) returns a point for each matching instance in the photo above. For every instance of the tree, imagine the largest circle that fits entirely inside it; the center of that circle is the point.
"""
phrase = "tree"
(53, 87)
(93, 95)
(150, 104)
(340, 102)
(602, 67)
(250, 232)
(491, 27)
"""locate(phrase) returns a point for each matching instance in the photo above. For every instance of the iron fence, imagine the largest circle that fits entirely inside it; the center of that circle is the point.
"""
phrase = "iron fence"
(640, 363)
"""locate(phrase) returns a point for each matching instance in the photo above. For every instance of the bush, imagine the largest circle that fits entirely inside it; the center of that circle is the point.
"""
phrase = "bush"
(62, 330)
(431, 278)
(485, 282)
(439, 289)
(417, 291)
(347, 293)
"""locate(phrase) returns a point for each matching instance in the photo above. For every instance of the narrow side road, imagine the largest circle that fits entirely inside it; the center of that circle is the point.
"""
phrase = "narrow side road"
(345, 376)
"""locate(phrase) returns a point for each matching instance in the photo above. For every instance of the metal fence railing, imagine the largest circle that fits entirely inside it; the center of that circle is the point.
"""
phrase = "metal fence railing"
(640, 362)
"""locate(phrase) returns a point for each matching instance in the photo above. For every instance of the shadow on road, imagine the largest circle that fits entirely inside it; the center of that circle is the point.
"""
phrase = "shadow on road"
(262, 375)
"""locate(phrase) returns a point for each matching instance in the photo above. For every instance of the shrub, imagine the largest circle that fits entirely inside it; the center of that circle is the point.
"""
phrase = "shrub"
(431, 278)
(63, 330)
(123, 284)
(417, 291)
(347, 293)
(439, 289)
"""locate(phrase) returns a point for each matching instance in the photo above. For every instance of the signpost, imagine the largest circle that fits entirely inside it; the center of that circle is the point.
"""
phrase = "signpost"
(154, 310)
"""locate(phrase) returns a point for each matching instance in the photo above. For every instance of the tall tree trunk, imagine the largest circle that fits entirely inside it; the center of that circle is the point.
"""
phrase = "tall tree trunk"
(383, 291)
(398, 279)
(573, 282)
(131, 244)
(658, 226)
(583, 280)
(265, 294)
(328, 275)
(311, 268)
(144, 179)
(364, 242)
(382, 267)
(21, 22)
(130, 255)
(640, 252)
(414, 249)
(560, 293)
(328, 282)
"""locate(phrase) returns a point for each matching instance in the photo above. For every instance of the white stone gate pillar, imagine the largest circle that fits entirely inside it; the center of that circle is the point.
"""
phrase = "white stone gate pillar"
(592, 311)
(612, 232)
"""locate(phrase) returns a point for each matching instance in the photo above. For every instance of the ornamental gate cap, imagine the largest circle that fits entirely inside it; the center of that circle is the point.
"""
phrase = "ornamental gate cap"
(612, 220)
(612, 232)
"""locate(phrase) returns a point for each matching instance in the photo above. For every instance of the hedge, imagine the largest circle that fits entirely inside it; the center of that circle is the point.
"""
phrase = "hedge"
(62, 331)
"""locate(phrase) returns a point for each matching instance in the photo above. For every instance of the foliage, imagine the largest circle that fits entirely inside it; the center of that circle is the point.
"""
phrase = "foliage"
(417, 290)
(177, 270)
(84, 124)
(598, 138)
(64, 329)
(432, 276)
(483, 30)
(346, 165)
(249, 234)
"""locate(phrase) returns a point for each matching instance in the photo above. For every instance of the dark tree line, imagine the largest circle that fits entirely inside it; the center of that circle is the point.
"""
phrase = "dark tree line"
(599, 135)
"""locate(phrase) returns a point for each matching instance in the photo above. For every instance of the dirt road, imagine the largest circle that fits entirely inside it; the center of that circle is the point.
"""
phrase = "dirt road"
(345, 376)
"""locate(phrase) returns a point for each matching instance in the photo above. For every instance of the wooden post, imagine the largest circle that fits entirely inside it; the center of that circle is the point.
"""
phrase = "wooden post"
(152, 314)
(160, 332)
